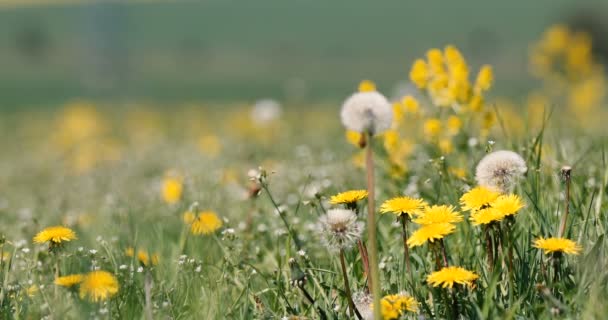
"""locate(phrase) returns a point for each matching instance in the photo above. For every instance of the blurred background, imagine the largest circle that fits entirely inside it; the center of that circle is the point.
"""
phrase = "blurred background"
(233, 51)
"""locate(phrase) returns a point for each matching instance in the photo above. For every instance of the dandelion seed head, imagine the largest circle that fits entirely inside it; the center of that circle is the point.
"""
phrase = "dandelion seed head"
(340, 229)
(500, 170)
(367, 112)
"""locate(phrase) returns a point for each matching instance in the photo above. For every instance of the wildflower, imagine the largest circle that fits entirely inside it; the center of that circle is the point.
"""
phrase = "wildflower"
(477, 199)
(98, 286)
(448, 276)
(348, 197)
(367, 112)
(172, 189)
(445, 146)
(353, 137)
(508, 205)
(484, 79)
(205, 223)
(551, 245)
(432, 127)
(394, 306)
(55, 235)
(402, 205)
(410, 104)
(486, 216)
(340, 229)
(69, 280)
(142, 256)
(367, 86)
(500, 170)
(430, 233)
(419, 73)
(453, 124)
(438, 214)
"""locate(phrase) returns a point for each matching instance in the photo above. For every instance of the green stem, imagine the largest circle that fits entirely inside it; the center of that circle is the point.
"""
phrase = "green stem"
(371, 227)
(351, 304)
(406, 253)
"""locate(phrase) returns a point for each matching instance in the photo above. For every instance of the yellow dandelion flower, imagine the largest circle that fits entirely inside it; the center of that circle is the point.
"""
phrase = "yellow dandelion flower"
(367, 86)
(188, 218)
(445, 146)
(402, 205)
(55, 235)
(410, 104)
(394, 306)
(555, 39)
(348, 197)
(398, 113)
(438, 214)
(551, 245)
(485, 216)
(435, 59)
(391, 140)
(477, 198)
(485, 77)
(172, 189)
(458, 172)
(508, 205)
(448, 276)
(354, 138)
(453, 124)
(453, 55)
(69, 280)
(430, 232)
(98, 286)
(206, 223)
(419, 73)
(32, 290)
(432, 127)
(476, 103)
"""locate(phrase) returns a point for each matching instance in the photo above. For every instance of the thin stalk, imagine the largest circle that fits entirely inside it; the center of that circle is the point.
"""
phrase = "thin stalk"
(290, 230)
(371, 227)
(365, 260)
(311, 300)
(148, 296)
(406, 249)
(349, 296)
(444, 254)
(566, 175)
(489, 249)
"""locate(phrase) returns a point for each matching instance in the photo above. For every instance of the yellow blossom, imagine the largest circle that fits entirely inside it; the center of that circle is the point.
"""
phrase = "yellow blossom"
(367, 86)
(430, 232)
(453, 125)
(394, 306)
(419, 73)
(448, 276)
(432, 127)
(508, 205)
(172, 189)
(410, 104)
(552, 245)
(55, 235)
(354, 138)
(207, 222)
(485, 77)
(486, 216)
(348, 197)
(445, 146)
(69, 280)
(477, 198)
(403, 205)
(98, 286)
(438, 214)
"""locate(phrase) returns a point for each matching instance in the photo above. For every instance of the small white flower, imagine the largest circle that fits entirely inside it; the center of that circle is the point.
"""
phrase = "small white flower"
(25, 250)
(80, 249)
(122, 267)
(340, 229)
(197, 269)
(140, 270)
(103, 310)
(265, 111)
(92, 251)
(302, 253)
(367, 112)
(500, 170)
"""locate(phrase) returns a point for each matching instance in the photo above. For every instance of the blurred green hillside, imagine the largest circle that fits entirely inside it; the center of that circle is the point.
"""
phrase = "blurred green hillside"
(242, 50)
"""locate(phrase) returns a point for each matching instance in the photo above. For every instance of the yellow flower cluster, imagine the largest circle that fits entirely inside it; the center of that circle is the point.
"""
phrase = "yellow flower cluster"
(394, 306)
(444, 75)
(95, 286)
(563, 59)
(143, 256)
(436, 222)
(487, 206)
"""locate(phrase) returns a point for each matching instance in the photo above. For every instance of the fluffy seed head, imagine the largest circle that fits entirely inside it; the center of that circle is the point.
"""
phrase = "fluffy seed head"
(500, 170)
(367, 112)
(340, 229)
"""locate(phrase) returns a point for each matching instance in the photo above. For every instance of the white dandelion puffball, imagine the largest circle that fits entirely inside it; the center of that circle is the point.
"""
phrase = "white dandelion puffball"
(340, 229)
(500, 170)
(363, 302)
(265, 111)
(367, 112)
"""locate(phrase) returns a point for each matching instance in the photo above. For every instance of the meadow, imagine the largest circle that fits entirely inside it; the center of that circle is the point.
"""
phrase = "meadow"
(128, 210)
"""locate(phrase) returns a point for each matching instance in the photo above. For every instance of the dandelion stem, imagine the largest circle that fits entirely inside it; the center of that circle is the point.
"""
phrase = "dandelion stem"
(566, 175)
(148, 296)
(290, 230)
(489, 249)
(444, 254)
(349, 296)
(311, 300)
(365, 260)
(406, 252)
(371, 227)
